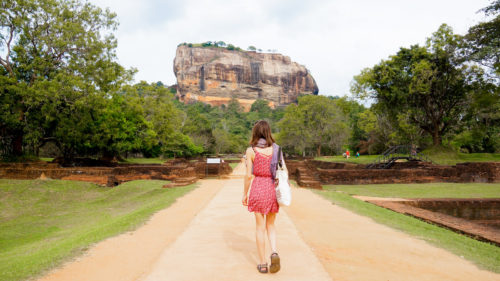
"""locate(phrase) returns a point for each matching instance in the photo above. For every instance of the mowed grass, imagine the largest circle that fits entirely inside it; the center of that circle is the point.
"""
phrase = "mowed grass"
(454, 158)
(438, 157)
(362, 159)
(484, 255)
(233, 165)
(46, 222)
(423, 190)
(156, 160)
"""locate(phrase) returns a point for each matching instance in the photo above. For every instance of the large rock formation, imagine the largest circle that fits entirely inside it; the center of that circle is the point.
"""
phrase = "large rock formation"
(214, 75)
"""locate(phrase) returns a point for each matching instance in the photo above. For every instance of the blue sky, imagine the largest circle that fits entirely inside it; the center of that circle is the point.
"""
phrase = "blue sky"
(334, 39)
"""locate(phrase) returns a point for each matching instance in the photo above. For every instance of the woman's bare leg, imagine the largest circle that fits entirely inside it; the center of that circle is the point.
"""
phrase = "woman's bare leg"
(260, 236)
(271, 230)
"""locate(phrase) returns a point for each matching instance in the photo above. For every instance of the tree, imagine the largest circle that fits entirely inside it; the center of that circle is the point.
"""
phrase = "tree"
(222, 140)
(166, 121)
(315, 123)
(431, 84)
(262, 108)
(352, 110)
(292, 134)
(59, 56)
(482, 42)
(122, 126)
(207, 44)
(198, 126)
(251, 48)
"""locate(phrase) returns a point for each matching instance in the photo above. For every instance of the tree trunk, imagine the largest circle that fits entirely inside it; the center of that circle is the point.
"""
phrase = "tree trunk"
(17, 145)
(436, 138)
(318, 150)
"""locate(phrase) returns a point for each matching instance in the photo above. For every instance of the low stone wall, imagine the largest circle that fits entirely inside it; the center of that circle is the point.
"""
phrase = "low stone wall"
(483, 210)
(486, 172)
(176, 170)
(334, 165)
(477, 218)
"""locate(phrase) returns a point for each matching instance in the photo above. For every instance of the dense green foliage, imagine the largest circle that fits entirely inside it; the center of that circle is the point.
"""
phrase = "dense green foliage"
(446, 92)
(428, 87)
(315, 123)
(65, 217)
(439, 155)
(62, 91)
(482, 42)
(58, 76)
(215, 44)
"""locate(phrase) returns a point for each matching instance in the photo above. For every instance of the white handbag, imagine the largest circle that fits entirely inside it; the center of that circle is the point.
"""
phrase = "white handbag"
(283, 191)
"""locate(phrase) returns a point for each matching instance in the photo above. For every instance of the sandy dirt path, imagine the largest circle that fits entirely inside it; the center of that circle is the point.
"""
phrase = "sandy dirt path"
(130, 255)
(353, 247)
(219, 244)
(208, 235)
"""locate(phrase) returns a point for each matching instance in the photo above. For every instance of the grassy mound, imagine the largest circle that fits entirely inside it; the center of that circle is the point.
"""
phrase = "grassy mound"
(43, 223)
(447, 156)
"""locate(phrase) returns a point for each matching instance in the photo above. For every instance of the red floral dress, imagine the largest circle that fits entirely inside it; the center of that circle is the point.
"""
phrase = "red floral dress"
(262, 198)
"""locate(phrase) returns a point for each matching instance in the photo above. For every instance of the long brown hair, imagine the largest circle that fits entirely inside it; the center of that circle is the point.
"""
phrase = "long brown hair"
(261, 129)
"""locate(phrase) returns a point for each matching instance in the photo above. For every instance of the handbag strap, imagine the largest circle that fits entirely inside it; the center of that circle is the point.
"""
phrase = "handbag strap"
(279, 159)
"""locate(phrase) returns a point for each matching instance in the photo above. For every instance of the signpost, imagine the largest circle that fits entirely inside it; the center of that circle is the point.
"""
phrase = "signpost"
(213, 162)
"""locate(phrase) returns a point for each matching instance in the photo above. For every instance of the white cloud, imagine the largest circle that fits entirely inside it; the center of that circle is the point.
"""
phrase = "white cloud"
(333, 39)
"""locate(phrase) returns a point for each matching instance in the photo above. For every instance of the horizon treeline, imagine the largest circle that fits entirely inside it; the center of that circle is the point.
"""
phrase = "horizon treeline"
(62, 92)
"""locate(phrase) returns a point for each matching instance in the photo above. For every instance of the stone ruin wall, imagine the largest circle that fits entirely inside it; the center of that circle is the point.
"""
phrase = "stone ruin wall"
(404, 172)
(176, 171)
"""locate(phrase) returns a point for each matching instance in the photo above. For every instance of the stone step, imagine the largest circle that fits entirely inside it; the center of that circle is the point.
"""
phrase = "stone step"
(186, 180)
(181, 182)
(310, 183)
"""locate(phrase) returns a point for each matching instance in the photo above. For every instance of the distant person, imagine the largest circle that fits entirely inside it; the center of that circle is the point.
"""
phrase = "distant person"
(413, 150)
(261, 162)
(344, 155)
(357, 154)
(347, 154)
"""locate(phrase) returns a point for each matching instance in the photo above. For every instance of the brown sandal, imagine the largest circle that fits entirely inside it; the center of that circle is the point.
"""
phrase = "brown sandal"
(275, 263)
(262, 268)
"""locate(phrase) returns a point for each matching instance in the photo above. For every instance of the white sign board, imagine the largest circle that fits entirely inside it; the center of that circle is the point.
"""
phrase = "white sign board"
(213, 160)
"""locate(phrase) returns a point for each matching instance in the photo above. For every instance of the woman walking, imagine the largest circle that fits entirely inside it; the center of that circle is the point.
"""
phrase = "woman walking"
(261, 162)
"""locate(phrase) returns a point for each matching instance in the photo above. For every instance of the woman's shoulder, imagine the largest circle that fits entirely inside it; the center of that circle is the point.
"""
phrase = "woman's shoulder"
(249, 150)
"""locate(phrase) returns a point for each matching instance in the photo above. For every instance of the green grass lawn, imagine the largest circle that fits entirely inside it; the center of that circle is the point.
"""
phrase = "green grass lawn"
(454, 158)
(45, 222)
(424, 190)
(438, 157)
(145, 160)
(362, 159)
(233, 165)
(156, 160)
(485, 255)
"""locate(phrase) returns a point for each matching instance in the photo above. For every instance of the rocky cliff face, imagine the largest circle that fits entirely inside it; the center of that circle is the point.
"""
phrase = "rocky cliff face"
(215, 75)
